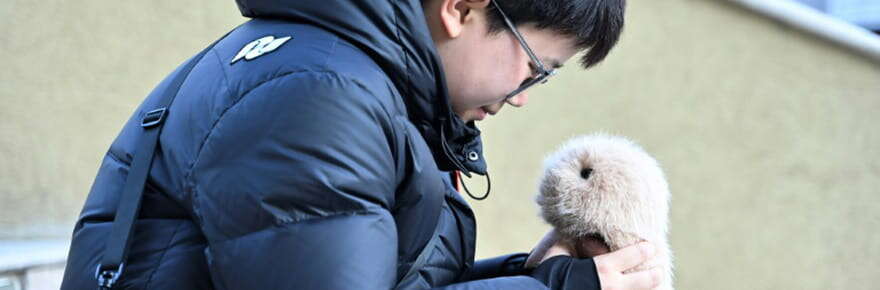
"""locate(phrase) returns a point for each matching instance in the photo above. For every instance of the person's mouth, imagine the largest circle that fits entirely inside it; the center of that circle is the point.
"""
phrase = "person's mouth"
(483, 112)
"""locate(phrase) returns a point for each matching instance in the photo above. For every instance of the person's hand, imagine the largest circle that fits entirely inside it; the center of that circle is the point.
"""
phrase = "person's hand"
(549, 246)
(611, 268)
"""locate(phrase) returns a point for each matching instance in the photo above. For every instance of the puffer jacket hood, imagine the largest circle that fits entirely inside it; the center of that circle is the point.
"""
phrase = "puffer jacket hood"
(394, 34)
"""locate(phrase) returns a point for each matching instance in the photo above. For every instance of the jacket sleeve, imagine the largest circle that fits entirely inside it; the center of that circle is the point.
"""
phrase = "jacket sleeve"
(567, 273)
(560, 272)
(507, 265)
(293, 186)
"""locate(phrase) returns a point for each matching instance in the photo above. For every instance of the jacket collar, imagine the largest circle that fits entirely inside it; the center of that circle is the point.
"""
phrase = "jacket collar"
(395, 34)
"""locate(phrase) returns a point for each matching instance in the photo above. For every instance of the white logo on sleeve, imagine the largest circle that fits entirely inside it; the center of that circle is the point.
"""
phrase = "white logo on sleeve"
(259, 47)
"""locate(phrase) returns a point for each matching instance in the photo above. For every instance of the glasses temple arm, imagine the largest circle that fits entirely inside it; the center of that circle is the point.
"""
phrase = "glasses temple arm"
(520, 39)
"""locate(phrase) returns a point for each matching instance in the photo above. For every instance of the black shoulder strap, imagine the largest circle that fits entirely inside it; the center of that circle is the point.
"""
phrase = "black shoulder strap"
(119, 241)
(428, 249)
(422, 258)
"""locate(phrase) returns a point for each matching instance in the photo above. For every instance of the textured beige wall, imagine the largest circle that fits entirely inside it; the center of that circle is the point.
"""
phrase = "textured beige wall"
(766, 133)
(74, 71)
(768, 137)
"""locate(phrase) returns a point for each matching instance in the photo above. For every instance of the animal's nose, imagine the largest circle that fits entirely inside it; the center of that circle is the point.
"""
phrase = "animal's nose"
(585, 173)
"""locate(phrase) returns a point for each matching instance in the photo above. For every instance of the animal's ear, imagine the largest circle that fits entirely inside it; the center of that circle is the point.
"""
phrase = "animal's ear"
(585, 173)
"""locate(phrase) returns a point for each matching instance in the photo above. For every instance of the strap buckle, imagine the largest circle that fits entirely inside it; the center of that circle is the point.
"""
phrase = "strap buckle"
(106, 278)
(153, 118)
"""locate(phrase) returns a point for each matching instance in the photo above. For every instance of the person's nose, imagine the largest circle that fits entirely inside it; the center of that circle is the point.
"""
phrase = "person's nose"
(519, 100)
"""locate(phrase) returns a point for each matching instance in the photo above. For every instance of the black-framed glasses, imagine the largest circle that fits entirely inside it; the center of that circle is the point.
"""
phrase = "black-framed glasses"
(540, 74)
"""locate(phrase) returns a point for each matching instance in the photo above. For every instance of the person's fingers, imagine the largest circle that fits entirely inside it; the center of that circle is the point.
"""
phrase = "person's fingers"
(647, 279)
(625, 258)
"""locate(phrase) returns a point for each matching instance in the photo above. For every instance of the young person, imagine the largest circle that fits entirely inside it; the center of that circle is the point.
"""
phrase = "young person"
(315, 146)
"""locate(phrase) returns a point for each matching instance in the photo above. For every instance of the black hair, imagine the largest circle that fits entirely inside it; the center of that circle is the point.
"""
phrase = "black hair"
(595, 25)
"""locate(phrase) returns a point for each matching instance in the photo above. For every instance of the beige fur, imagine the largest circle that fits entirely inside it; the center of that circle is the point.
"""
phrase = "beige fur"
(625, 198)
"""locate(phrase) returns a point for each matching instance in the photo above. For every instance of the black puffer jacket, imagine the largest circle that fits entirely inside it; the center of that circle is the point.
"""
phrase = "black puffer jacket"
(323, 164)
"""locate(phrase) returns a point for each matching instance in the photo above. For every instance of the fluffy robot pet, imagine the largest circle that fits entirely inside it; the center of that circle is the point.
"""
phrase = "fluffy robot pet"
(602, 193)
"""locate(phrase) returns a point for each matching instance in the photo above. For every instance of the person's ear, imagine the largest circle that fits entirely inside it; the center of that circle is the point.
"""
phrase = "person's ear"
(456, 14)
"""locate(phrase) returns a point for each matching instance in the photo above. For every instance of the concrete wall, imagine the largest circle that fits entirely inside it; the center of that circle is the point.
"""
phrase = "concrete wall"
(766, 134)
(74, 71)
(768, 137)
